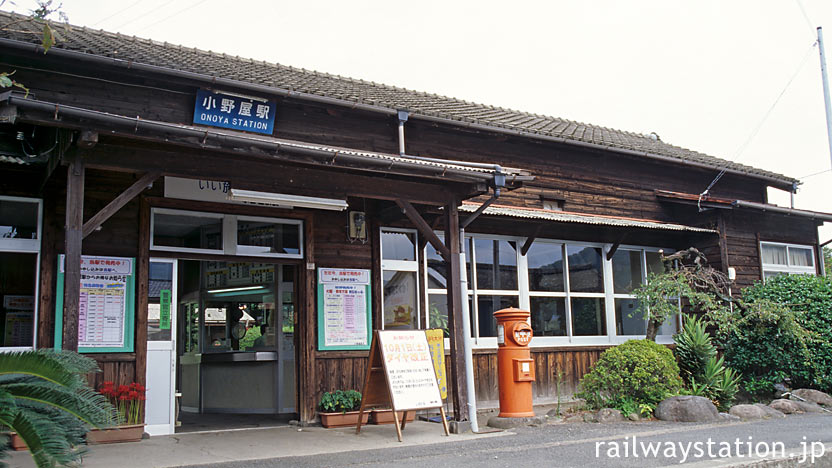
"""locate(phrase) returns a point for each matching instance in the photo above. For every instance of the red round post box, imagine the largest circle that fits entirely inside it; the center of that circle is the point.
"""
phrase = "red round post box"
(515, 367)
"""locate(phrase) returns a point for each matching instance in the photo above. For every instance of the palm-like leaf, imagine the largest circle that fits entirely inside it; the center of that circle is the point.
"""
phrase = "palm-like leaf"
(46, 400)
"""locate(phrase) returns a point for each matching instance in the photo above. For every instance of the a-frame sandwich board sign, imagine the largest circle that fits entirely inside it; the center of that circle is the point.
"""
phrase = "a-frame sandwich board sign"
(400, 375)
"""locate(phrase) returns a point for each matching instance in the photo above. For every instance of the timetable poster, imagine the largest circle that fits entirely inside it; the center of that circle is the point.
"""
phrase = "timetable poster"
(105, 303)
(343, 309)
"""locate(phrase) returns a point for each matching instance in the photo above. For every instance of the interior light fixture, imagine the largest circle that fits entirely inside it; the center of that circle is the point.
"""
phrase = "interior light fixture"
(284, 200)
(242, 288)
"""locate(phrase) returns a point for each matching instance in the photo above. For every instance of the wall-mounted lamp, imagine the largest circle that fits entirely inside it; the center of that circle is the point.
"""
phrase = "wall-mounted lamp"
(285, 200)
(358, 227)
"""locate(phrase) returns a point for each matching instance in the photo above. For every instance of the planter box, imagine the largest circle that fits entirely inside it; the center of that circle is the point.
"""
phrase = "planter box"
(116, 434)
(385, 416)
(347, 419)
(16, 442)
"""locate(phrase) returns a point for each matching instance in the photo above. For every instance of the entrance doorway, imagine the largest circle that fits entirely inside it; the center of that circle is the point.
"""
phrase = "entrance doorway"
(230, 347)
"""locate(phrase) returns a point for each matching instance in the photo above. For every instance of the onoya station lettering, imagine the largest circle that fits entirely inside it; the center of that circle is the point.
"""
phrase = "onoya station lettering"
(234, 112)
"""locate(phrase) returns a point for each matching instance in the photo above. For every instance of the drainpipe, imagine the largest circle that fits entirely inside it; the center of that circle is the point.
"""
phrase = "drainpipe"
(402, 119)
(466, 313)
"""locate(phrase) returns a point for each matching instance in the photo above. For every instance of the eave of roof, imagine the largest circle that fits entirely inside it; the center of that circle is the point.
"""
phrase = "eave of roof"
(569, 217)
(727, 203)
(135, 53)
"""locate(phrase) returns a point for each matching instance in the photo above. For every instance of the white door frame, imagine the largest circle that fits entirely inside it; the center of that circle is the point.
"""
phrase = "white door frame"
(170, 428)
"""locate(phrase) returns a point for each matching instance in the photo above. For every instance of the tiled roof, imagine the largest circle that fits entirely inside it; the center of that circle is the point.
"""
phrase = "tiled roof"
(569, 217)
(133, 49)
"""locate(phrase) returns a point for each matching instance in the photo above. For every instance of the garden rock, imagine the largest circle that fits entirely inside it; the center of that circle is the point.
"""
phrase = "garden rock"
(728, 417)
(609, 415)
(590, 417)
(770, 412)
(815, 396)
(748, 412)
(687, 408)
(808, 406)
(634, 417)
(786, 406)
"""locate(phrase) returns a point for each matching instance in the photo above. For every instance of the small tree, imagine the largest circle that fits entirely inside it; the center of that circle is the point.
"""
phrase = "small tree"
(39, 16)
(687, 278)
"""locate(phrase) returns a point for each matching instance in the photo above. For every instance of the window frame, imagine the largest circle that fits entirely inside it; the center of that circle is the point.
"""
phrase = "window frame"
(788, 268)
(30, 246)
(402, 265)
(230, 225)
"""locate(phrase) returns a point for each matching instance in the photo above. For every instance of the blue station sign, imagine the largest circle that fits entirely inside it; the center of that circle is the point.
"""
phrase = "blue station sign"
(234, 112)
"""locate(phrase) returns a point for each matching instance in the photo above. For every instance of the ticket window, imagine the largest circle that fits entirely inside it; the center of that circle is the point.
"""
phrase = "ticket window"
(20, 238)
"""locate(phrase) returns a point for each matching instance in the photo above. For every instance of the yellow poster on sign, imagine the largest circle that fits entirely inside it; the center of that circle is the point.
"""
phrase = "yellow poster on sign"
(436, 343)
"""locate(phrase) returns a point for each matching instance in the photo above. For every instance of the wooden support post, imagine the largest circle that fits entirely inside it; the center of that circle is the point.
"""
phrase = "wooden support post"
(723, 242)
(530, 240)
(455, 318)
(615, 246)
(122, 199)
(305, 341)
(72, 250)
(142, 291)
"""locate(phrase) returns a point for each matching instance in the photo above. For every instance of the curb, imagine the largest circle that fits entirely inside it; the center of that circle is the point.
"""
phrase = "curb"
(824, 460)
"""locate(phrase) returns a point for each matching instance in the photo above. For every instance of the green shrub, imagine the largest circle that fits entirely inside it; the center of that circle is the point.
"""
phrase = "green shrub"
(638, 370)
(810, 299)
(693, 347)
(340, 401)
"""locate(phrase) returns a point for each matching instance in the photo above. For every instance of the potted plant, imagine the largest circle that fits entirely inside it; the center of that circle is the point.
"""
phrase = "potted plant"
(129, 402)
(340, 408)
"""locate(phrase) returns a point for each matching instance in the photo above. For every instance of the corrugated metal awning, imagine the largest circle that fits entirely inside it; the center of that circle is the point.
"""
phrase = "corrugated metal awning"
(568, 217)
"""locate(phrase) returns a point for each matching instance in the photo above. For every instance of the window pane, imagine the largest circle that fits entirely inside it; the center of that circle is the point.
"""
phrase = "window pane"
(669, 326)
(772, 274)
(186, 230)
(401, 312)
(654, 263)
(257, 237)
(486, 306)
(545, 267)
(438, 312)
(496, 264)
(398, 245)
(588, 318)
(437, 268)
(585, 272)
(628, 319)
(626, 271)
(17, 292)
(548, 316)
(774, 254)
(18, 220)
(159, 316)
(800, 257)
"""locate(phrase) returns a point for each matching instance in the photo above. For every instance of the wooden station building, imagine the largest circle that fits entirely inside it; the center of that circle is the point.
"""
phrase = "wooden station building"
(232, 230)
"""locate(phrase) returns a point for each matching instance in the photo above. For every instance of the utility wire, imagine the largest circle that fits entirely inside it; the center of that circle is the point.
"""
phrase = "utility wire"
(806, 17)
(738, 153)
(117, 13)
(152, 10)
(815, 174)
(175, 14)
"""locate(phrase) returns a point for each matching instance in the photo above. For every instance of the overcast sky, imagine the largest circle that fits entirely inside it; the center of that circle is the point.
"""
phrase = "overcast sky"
(701, 74)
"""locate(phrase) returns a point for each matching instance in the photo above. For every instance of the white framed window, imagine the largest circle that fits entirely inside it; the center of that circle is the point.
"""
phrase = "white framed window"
(400, 279)
(779, 258)
(574, 294)
(225, 234)
(21, 231)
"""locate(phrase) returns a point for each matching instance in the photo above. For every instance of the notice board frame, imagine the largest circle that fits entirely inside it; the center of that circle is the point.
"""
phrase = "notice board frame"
(322, 346)
(129, 311)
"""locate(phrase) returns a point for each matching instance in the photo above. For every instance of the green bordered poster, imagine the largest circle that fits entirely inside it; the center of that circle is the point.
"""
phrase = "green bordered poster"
(344, 309)
(106, 317)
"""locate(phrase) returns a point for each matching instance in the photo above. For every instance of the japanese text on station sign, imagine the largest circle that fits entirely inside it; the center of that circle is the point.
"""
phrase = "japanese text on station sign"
(235, 112)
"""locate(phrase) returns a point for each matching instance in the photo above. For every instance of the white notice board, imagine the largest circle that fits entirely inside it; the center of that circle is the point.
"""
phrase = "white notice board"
(344, 311)
(409, 368)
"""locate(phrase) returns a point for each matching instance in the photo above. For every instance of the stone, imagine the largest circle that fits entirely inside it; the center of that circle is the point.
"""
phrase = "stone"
(786, 406)
(508, 423)
(609, 415)
(815, 396)
(687, 408)
(574, 418)
(590, 418)
(747, 412)
(634, 417)
(553, 413)
(770, 412)
(728, 417)
(808, 406)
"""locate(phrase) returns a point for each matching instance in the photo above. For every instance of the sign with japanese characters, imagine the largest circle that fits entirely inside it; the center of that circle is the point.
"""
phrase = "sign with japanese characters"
(409, 367)
(234, 112)
(105, 309)
(344, 312)
(204, 190)
(436, 342)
